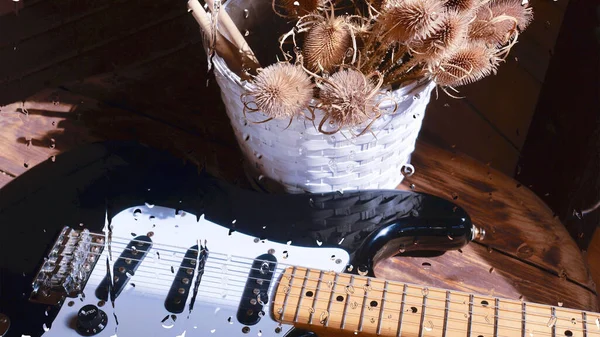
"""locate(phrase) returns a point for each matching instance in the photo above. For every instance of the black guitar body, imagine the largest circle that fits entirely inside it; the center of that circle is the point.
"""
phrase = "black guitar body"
(84, 187)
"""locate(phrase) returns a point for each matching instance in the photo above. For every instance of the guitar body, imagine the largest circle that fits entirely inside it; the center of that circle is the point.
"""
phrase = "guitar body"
(150, 247)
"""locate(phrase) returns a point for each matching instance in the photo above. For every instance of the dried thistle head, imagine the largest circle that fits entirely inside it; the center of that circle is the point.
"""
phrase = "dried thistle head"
(470, 63)
(403, 20)
(295, 8)
(497, 23)
(450, 34)
(462, 6)
(347, 97)
(281, 90)
(326, 43)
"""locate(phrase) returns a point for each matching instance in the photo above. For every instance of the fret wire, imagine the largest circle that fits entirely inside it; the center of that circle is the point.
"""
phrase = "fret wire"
(451, 329)
(362, 309)
(423, 314)
(458, 302)
(312, 312)
(381, 308)
(567, 327)
(523, 320)
(301, 297)
(496, 315)
(446, 311)
(287, 294)
(347, 303)
(401, 310)
(553, 325)
(470, 322)
(584, 317)
(331, 300)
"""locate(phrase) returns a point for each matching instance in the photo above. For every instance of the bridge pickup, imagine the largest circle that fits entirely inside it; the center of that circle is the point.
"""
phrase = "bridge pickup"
(255, 295)
(180, 289)
(124, 268)
(67, 268)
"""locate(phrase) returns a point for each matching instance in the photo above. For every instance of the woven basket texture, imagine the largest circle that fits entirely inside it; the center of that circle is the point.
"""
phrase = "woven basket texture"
(299, 158)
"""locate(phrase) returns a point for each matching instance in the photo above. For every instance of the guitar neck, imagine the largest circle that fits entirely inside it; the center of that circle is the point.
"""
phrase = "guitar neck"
(319, 300)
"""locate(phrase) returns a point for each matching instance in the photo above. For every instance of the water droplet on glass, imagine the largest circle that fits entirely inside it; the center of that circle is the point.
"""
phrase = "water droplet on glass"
(311, 310)
(428, 326)
(264, 268)
(349, 52)
(323, 317)
(246, 33)
(454, 196)
(45, 327)
(301, 151)
(319, 243)
(332, 166)
(137, 212)
(351, 155)
(349, 289)
(246, 13)
(351, 167)
(560, 304)
(213, 330)
(416, 97)
(425, 291)
(149, 205)
(362, 270)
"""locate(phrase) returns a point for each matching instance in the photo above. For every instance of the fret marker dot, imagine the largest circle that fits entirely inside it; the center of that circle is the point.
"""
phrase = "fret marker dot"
(568, 333)
(414, 310)
(373, 304)
(340, 298)
(309, 293)
(485, 303)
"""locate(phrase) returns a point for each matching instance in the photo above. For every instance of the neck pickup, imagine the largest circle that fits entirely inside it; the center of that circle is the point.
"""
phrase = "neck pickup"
(67, 268)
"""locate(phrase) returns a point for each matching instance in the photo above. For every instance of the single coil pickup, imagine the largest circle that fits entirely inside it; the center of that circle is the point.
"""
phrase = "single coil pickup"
(180, 289)
(124, 268)
(255, 296)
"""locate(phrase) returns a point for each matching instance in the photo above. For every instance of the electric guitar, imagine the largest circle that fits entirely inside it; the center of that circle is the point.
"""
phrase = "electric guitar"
(133, 244)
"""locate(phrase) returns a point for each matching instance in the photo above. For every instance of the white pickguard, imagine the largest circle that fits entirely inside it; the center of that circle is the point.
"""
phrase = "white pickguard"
(140, 308)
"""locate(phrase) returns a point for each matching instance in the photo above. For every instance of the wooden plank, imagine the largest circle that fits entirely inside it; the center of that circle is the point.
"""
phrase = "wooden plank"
(35, 19)
(88, 33)
(495, 275)
(88, 120)
(5, 179)
(593, 260)
(455, 124)
(139, 44)
(515, 219)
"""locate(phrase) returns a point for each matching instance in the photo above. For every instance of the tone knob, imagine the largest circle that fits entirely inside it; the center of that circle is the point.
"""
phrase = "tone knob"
(91, 320)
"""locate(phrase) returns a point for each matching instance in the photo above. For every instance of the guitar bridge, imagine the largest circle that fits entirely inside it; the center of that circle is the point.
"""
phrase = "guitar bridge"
(67, 268)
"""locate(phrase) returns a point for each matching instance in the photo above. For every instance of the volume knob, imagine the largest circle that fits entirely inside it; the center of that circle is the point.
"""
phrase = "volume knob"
(91, 320)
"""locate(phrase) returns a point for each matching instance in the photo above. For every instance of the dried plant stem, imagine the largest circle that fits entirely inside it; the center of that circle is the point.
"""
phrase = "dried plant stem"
(235, 35)
(223, 47)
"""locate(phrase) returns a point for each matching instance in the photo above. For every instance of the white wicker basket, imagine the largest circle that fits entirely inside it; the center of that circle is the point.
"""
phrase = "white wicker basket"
(299, 158)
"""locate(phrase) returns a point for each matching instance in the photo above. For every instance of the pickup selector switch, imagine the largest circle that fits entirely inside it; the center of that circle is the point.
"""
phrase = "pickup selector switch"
(91, 320)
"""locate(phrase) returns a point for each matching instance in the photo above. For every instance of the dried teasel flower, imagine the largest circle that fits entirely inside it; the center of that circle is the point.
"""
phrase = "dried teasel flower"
(327, 43)
(462, 6)
(470, 63)
(497, 23)
(347, 98)
(450, 34)
(404, 20)
(281, 90)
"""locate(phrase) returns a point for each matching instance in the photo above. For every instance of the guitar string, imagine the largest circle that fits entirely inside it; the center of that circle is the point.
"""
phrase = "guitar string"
(374, 289)
(419, 303)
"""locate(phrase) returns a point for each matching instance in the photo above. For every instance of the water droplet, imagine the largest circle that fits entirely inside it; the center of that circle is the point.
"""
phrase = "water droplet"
(446, 105)
(560, 303)
(350, 168)
(551, 321)
(213, 330)
(246, 33)
(362, 270)
(425, 291)
(416, 97)
(349, 52)
(137, 212)
(401, 249)
(45, 327)
(349, 289)
(454, 196)
(311, 310)
(332, 166)
(149, 205)
(428, 326)
(408, 170)
(573, 321)
(323, 317)
(168, 322)
(300, 150)
(246, 13)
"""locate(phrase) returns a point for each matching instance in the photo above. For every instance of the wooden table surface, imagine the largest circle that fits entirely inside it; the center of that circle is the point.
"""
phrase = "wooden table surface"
(165, 103)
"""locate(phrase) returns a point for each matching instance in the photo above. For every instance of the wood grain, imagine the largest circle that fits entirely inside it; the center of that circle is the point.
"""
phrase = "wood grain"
(517, 222)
